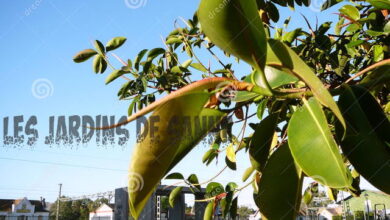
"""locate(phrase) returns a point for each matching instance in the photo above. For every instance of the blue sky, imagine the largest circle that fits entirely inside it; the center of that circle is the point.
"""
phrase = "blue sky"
(37, 41)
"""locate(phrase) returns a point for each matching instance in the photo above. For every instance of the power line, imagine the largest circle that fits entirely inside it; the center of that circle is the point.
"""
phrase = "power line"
(62, 164)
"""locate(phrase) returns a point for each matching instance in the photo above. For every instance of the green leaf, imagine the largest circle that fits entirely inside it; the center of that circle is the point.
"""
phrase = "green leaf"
(380, 4)
(282, 57)
(230, 153)
(307, 196)
(114, 75)
(173, 40)
(193, 179)
(233, 208)
(273, 11)
(289, 37)
(275, 77)
(84, 55)
(173, 195)
(247, 173)
(260, 145)
(350, 11)
(367, 133)
(236, 28)
(99, 64)
(99, 47)
(139, 57)
(214, 189)
(243, 96)
(261, 108)
(131, 106)
(329, 3)
(378, 53)
(313, 147)
(115, 43)
(199, 67)
(186, 63)
(332, 194)
(155, 52)
(280, 186)
(175, 140)
(208, 212)
(175, 176)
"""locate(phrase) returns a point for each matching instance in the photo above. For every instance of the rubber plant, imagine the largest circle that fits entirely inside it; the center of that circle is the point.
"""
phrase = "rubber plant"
(302, 132)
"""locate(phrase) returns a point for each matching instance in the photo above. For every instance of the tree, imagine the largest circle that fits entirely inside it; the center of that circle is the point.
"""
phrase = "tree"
(77, 209)
(244, 212)
(297, 77)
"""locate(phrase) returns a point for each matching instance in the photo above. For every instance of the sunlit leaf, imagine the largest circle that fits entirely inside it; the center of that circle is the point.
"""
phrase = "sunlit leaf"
(153, 158)
(115, 43)
(313, 147)
(173, 195)
(278, 58)
(84, 55)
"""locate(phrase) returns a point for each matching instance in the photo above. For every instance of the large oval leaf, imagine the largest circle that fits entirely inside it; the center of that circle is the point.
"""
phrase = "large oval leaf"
(313, 147)
(178, 131)
(260, 144)
(282, 57)
(280, 186)
(235, 26)
(364, 144)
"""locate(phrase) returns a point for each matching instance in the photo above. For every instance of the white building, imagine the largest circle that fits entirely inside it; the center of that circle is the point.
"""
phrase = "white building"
(104, 212)
(329, 213)
(23, 209)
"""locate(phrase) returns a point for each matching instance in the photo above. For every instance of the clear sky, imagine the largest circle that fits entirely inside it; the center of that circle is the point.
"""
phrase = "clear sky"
(37, 41)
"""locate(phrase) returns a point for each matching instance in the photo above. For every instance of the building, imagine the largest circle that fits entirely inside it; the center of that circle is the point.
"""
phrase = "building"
(23, 209)
(329, 213)
(104, 212)
(374, 202)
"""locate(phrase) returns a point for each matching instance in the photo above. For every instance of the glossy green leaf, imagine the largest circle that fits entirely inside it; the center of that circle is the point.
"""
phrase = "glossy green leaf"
(329, 3)
(260, 144)
(277, 57)
(208, 212)
(199, 67)
(214, 189)
(380, 4)
(276, 77)
(230, 153)
(114, 75)
(243, 96)
(350, 11)
(289, 37)
(153, 158)
(115, 43)
(280, 186)
(186, 63)
(193, 179)
(367, 133)
(236, 28)
(313, 147)
(139, 57)
(378, 53)
(155, 52)
(175, 176)
(247, 173)
(173, 195)
(99, 64)
(84, 55)
(99, 47)
(261, 108)
(132, 105)
(307, 196)
(332, 193)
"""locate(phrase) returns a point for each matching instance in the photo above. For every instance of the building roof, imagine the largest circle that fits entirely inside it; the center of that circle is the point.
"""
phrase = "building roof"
(333, 211)
(6, 205)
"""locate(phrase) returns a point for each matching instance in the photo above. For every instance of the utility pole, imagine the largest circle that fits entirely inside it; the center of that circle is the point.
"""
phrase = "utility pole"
(58, 202)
